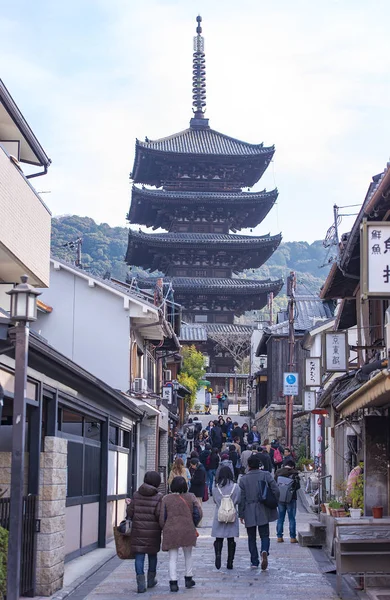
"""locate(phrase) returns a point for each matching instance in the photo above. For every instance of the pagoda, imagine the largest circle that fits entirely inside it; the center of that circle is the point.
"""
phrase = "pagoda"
(196, 179)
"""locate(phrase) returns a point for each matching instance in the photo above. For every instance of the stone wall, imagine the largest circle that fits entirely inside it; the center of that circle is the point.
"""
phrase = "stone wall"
(152, 444)
(271, 422)
(51, 512)
(5, 473)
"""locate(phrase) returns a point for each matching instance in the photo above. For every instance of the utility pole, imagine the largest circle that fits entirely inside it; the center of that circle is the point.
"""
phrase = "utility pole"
(291, 288)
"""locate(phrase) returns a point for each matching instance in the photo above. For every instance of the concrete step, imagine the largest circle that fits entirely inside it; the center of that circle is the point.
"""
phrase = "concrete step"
(307, 540)
(318, 529)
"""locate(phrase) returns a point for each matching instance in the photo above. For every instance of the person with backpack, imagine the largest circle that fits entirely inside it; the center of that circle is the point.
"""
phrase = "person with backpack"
(181, 448)
(289, 483)
(189, 434)
(204, 455)
(198, 480)
(257, 508)
(278, 454)
(216, 436)
(226, 495)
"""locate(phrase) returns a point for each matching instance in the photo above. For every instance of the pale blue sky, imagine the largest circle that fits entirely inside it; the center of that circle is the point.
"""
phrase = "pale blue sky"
(310, 77)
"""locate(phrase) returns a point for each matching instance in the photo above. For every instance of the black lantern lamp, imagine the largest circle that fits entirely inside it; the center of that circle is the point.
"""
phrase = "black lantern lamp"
(23, 301)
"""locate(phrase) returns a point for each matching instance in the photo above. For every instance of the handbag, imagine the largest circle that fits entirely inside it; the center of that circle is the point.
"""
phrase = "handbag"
(192, 518)
(125, 526)
(266, 495)
(122, 545)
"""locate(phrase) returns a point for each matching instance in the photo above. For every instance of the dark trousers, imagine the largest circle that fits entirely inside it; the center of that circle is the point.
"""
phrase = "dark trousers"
(252, 545)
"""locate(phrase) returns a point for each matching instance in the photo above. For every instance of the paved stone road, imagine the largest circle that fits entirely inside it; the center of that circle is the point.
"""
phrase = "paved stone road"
(294, 573)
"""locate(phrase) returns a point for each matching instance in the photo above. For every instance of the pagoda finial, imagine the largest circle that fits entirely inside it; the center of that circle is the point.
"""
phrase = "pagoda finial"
(199, 73)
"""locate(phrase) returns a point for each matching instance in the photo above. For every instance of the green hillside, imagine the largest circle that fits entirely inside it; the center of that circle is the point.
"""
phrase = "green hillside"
(104, 248)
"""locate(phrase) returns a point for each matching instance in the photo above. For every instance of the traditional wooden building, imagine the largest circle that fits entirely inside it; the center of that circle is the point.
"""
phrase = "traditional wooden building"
(199, 175)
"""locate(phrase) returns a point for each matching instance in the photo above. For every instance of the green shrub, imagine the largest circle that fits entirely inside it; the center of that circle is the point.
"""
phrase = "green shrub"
(3, 561)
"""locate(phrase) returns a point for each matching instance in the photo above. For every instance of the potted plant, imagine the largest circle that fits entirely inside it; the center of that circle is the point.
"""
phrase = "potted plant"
(337, 509)
(357, 498)
(377, 512)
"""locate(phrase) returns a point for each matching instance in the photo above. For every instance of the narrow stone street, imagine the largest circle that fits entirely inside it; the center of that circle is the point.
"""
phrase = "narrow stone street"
(294, 573)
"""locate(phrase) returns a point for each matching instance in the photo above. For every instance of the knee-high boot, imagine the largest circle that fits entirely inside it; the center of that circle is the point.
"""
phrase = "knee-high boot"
(218, 552)
(231, 552)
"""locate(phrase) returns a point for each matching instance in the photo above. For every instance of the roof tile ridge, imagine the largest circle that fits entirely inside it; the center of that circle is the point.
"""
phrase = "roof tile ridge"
(164, 139)
(233, 139)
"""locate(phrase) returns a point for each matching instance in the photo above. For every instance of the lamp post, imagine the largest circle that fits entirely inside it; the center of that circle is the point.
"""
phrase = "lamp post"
(236, 401)
(23, 311)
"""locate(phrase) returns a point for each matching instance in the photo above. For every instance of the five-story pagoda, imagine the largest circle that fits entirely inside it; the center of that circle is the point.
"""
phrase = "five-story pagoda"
(198, 176)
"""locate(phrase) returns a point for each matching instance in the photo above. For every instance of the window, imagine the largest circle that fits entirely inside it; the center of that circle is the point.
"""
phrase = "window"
(113, 433)
(200, 273)
(200, 318)
(221, 318)
(72, 423)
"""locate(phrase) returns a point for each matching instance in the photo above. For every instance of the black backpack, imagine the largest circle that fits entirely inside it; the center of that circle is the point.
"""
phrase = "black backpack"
(266, 495)
(190, 432)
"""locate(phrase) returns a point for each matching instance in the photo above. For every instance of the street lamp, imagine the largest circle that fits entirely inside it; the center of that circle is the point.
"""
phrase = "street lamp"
(23, 311)
(235, 390)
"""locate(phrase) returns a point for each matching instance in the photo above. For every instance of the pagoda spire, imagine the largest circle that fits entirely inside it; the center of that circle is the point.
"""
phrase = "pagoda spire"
(199, 79)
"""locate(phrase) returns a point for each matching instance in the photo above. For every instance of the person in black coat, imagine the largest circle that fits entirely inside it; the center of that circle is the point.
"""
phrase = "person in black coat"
(216, 436)
(198, 480)
(265, 459)
(203, 456)
(237, 432)
(233, 456)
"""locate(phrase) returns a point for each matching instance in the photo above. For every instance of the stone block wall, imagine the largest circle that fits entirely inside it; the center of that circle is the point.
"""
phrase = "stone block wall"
(51, 512)
(5, 473)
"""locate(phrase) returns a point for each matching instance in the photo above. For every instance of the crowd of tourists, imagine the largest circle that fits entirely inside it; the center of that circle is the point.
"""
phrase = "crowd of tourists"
(248, 480)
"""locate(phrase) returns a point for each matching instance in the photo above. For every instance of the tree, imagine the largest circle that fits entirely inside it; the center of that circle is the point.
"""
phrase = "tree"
(192, 371)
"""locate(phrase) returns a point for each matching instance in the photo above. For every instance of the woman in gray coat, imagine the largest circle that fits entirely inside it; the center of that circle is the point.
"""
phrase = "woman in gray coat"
(254, 513)
(225, 487)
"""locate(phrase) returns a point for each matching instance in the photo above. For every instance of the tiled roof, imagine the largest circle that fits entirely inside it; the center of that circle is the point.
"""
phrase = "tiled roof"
(188, 239)
(197, 197)
(205, 141)
(308, 310)
(194, 332)
(216, 375)
(210, 284)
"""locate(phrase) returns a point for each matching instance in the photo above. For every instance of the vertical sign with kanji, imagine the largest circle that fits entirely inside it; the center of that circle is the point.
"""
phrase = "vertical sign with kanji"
(375, 264)
(336, 351)
(313, 371)
(309, 402)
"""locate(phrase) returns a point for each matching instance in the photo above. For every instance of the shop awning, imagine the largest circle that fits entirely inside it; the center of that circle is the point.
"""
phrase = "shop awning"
(373, 393)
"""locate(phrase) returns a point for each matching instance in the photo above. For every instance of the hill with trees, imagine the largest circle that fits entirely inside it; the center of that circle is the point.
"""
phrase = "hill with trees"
(104, 248)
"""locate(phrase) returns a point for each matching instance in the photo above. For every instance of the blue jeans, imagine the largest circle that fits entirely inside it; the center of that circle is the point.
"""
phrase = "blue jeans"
(210, 478)
(291, 510)
(252, 545)
(140, 561)
(220, 407)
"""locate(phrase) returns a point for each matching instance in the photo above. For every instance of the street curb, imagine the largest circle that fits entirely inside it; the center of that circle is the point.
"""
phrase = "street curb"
(65, 592)
(305, 502)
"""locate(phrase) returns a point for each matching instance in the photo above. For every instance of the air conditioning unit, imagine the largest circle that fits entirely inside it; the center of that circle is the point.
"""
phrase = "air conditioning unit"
(167, 375)
(140, 384)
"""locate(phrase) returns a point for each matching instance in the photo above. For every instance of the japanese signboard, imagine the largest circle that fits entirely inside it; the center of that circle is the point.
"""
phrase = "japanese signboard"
(336, 351)
(375, 264)
(313, 371)
(290, 384)
(309, 400)
(167, 393)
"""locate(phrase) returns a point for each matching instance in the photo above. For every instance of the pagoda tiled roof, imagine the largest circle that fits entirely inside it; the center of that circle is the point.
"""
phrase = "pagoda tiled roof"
(218, 285)
(204, 197)
(194, 239)
(205, 141)
(195, 332)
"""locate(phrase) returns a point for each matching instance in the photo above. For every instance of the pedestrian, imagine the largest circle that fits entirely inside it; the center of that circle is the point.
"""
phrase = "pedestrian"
(189, 434)
(254, 436)
(198, 427)
(210, 426)
(198, 480)
(244, 458)
(180, 514)
(220, 403)
(227, 493)
(216, 436)
(229, 428)
(194, 454)
(207, 401)
(181, 448)
(287, 455)
(225, 462)
(278, 453)
(288, 471)
(211, 468)
(233, 457)
(265, 459)
(179, 470)
(225, 404)
(237, 433)
(144, 512)
(223, 427)
(204, 455)
(245, 431)
(254, 514)
(270, 450)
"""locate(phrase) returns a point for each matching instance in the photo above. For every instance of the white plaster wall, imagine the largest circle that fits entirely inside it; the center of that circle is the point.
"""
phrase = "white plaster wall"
(88, 325)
